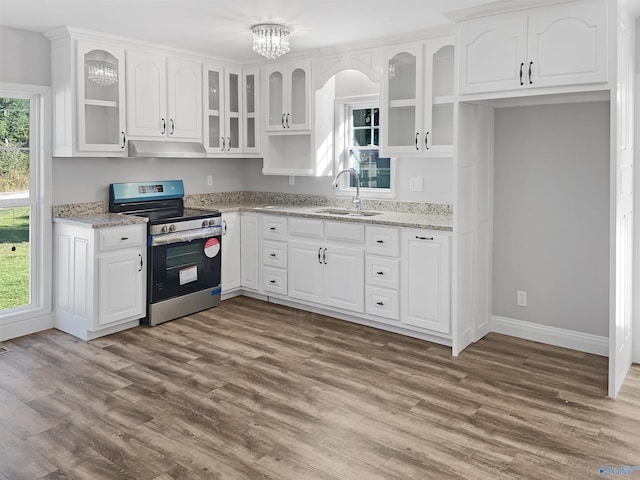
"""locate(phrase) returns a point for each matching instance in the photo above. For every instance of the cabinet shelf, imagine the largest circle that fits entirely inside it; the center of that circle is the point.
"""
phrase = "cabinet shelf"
(101, 103)
(443, 100)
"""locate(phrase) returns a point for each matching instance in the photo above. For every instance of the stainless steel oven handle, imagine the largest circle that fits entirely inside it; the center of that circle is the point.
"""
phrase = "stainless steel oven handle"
(186, 236)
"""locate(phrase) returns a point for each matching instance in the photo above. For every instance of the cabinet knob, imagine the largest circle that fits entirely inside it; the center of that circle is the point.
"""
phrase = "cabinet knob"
(379, 273)
(379, 241)
(272, 254)
(380, 303)
(272, 281)
(272, 228)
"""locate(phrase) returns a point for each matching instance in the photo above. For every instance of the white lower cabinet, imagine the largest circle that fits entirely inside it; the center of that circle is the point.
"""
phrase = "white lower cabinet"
(274, 254)
(426, 280)
(326, 263)
(382, 273)
(250, 251)
(100, 279)
(230, 252)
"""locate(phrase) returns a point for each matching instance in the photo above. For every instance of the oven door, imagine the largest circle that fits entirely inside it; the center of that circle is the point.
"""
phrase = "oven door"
(184, 262)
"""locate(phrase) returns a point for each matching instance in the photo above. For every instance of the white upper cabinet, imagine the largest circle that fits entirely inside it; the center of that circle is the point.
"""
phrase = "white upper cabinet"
(164, 96)
(88, 81)
(417, 91)
(552, 46)
(223, 85)
(288, 96)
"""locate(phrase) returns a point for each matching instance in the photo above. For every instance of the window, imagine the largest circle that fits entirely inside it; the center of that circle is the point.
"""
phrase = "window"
(360, 150)
(23, 234)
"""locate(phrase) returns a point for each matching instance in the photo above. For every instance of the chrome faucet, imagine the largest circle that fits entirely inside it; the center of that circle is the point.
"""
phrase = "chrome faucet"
(356, 200)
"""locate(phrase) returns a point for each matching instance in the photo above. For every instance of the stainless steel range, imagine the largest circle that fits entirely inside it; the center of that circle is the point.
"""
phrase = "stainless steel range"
(184, 248)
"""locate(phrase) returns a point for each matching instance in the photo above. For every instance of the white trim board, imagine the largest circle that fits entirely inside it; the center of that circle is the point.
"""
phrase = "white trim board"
(559, 337)
(20, 328)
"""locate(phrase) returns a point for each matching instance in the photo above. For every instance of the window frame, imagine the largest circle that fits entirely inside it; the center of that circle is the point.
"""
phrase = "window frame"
(37, 315)
(343, 107)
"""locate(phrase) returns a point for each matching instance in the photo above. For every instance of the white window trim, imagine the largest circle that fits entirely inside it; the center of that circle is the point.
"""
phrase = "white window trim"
(344, 190)
(38, 315)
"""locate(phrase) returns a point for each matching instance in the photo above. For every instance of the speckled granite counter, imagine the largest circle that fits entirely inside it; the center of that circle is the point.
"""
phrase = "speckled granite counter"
(101, 220)
(401, 214)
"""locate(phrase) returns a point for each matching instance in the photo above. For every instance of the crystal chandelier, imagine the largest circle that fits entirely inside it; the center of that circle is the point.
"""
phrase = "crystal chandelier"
(102, 73)
(270, 40)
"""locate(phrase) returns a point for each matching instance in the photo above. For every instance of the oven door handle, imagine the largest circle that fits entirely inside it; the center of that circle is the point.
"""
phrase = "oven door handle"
(186, 236)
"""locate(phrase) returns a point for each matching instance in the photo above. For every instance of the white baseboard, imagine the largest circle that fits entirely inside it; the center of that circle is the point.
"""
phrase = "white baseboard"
(559, 337)
(26, 327)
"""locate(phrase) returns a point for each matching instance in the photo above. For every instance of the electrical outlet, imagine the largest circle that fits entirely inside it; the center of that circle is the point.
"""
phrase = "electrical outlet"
(521, 298)
(209, 180)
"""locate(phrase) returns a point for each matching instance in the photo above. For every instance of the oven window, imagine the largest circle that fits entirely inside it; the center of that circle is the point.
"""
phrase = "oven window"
(183, 268)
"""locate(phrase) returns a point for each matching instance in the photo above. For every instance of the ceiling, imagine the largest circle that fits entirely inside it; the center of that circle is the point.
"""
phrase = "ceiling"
(221, 28)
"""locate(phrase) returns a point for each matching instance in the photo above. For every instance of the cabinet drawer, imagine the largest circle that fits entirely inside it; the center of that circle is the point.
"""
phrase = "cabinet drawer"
(274, 280)
(383, 241)
(121, 237)
(274, 254)
(382, 302)
(344, 231)
(274, 228)
(303, 227)
(383, 272)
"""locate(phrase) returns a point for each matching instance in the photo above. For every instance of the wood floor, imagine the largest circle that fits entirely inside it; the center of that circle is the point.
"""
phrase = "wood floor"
(252, 390)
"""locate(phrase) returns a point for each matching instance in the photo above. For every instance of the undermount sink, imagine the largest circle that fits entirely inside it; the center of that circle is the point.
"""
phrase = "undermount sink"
(345, 212)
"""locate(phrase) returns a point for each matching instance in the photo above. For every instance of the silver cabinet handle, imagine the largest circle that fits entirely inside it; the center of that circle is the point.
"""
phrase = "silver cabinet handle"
(224, 227)
(164, 126)
(423, 238)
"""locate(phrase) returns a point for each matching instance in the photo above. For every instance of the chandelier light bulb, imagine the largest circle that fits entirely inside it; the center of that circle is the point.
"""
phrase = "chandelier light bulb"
(270, 40)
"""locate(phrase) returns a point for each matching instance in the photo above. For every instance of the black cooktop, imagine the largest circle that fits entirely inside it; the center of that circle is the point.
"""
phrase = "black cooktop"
(175, 214)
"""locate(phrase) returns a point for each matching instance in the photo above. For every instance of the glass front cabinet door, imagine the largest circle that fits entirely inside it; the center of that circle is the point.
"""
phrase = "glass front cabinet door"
(288, 96)
(223, 133)
(251, 83)
(101, 94)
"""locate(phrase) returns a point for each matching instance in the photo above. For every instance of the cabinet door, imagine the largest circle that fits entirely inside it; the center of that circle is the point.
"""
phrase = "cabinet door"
(101, 98)
(146, 94)
(568, 45)
(233, 109)
(437, 137)
(274, 78)
(305, 271)
(184, 97)
(402, 93)
(493, 54)
(426, 281)
(120, 287)
(298, 115)
(214, 132)
(250, 106)
(344, 278)
(249, 251)
(231, 252)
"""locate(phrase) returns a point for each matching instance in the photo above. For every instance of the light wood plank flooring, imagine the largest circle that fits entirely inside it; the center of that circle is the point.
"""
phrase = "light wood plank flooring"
(252, 390)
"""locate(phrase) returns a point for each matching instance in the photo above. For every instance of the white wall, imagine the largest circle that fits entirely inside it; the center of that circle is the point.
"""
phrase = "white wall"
(551, 215)
(25, 57)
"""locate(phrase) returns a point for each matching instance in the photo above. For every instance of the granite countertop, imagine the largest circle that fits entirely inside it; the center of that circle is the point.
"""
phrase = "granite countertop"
(443, 222)
(101, 220)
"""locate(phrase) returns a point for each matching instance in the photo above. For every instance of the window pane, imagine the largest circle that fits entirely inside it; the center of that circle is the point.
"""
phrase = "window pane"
(14, 147)
(362, 117)
(375, 172)
(362, 137)
(376, 117)
(376, 137)
(14, 257)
